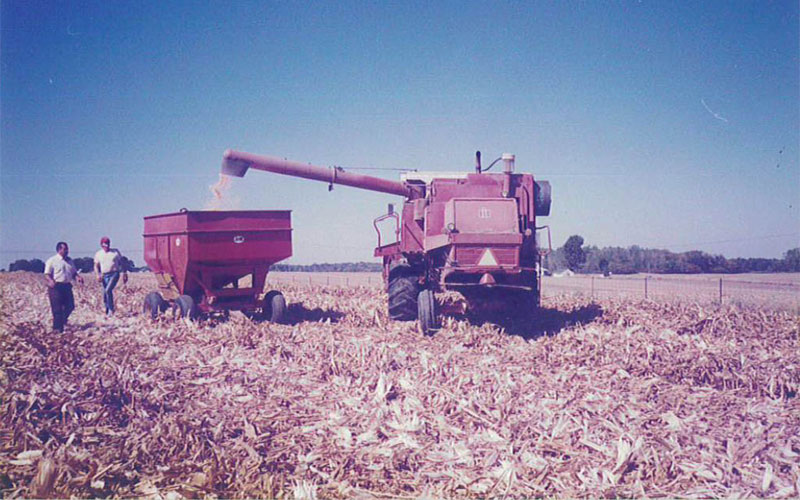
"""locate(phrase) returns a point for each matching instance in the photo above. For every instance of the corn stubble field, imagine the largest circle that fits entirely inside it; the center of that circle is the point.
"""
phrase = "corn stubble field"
(621, 398)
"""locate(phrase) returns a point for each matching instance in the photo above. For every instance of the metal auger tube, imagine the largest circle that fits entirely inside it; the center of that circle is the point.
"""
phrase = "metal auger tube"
(236, 163)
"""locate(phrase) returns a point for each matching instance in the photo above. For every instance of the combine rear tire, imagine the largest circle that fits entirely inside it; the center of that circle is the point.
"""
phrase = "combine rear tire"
(186, 307)
(403, 297)
(533, 299)
(154, 304)
(276, 307)
(427, 312)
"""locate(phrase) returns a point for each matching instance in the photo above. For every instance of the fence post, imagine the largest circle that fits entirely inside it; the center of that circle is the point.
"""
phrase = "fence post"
(645, 287)
(592, 287)
(720, 291)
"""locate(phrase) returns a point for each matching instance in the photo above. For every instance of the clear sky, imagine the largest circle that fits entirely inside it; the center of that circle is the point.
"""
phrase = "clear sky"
(664, 124)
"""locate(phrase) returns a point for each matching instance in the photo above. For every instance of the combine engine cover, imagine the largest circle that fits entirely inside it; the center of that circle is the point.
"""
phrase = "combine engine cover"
(485, 235)
(475, 235)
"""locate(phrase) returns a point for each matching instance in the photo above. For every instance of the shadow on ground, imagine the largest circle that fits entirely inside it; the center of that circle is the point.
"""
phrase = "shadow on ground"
(299, 313)
(541, 322)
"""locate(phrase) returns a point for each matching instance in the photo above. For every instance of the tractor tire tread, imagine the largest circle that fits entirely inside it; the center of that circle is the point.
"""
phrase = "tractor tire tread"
(154, 304)
(187, 307)
(427, 312)
(275, 311)
(403, 291)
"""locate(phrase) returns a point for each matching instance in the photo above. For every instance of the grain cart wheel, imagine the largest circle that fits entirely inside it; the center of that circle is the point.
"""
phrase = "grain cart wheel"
(186, 307)
(154, 304)
(403, 290)
(426, 311)
(276, 307)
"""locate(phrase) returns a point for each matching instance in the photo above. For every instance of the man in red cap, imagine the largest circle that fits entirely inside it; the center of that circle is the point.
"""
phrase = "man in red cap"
(108, 264)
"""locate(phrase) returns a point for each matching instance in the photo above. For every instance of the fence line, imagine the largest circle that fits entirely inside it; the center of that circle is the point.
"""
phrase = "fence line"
(719, 290)
(328, 279)
(700, 289)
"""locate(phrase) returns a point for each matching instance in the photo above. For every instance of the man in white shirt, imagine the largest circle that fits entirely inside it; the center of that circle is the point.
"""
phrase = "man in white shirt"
(60, 271)
(108, 263)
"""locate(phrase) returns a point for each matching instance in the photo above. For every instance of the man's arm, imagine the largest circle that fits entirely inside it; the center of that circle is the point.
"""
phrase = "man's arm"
(97, 270)
(77, 275)
(48, 275)
(124, 267)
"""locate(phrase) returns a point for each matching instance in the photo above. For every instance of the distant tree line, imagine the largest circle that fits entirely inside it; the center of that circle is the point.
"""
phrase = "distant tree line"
(84, 265)
(572, 255)
(343, 267)
(634, 259)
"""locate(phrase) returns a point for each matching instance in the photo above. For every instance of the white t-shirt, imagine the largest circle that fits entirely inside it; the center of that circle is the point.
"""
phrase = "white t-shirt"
(109, 261)
(60, 269)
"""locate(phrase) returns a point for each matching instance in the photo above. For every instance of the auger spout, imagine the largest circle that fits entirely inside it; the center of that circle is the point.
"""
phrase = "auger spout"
(236, 163)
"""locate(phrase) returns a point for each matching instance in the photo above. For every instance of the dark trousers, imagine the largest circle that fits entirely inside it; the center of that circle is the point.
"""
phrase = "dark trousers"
(109, 282)
(62, 302)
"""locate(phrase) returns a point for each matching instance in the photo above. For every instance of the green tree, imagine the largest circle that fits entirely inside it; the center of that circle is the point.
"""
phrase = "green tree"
(37, 266)
(574, 253)
(791, 260)
(84, 264)
(603, 265)
(20, 265)
(128, 264)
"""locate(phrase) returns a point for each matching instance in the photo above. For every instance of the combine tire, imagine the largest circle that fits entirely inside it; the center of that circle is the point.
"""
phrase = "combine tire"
(154, 304)
(532, 299)
(186, 307)
(426, 311)
(536, 300)
(403, 297)
(276, 307)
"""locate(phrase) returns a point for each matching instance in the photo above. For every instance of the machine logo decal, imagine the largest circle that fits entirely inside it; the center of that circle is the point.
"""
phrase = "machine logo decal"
(487, 259)
(177, 242)
(484, 213)
(238, 238)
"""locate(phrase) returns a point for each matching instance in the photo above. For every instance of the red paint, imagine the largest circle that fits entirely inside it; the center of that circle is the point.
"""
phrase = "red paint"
(203, 253)
(449, 221)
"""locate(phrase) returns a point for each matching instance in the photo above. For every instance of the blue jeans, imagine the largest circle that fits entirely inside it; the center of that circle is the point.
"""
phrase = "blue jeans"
(109, 282)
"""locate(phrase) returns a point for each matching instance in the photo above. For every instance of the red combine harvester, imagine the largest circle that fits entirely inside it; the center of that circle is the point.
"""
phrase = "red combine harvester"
(474, 233)
(199, 257)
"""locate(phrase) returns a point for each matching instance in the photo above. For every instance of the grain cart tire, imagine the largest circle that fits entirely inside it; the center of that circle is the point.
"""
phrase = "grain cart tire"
(186, 307)
(275, 310)
(154, 304)
(403, 292)
(426, 311)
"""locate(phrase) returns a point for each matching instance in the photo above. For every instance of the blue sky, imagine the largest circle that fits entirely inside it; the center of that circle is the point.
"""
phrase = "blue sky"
(664, 124)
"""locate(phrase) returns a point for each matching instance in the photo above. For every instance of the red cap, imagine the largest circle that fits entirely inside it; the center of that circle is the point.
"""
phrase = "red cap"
(105, 239)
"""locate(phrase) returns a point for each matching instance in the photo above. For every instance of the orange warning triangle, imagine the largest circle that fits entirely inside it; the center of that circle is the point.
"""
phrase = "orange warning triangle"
(487, 259)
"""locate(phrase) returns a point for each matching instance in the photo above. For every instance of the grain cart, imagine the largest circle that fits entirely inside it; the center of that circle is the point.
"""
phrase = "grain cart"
(198, 258)
(470, 232)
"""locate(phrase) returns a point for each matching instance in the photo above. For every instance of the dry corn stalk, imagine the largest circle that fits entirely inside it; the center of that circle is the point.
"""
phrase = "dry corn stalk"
(623, 398)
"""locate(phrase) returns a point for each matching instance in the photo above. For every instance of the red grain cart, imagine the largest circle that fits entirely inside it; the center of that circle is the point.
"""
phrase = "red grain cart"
(199, 258)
